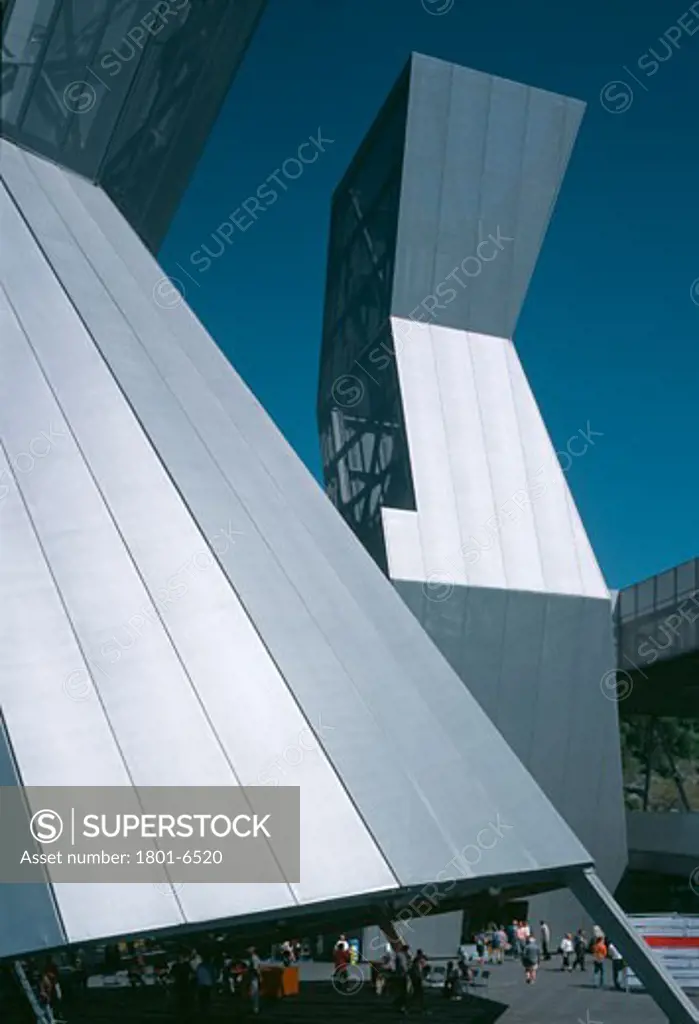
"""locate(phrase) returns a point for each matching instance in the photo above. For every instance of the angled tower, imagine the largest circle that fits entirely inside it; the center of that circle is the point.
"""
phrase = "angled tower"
(434, 449)
(181, 603)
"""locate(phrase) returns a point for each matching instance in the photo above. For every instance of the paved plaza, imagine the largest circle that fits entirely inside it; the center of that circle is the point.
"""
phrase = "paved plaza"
(556, 998)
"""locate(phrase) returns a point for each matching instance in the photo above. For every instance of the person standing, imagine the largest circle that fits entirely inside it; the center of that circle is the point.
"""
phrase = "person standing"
(566, 952)
(80, 969)
(617, 965)
(136, 970)
(599, 955)
(417, 979)
(204, 977)
(499, 943)
(522, 936)
(401, 972)
(384, 973)
(341, 957)
(239, 974)
(450, 979)
(530, 959)
(254, 972)
(47, 991)
(181, 974)
(580, 949)
(512, 937)
(545, 940)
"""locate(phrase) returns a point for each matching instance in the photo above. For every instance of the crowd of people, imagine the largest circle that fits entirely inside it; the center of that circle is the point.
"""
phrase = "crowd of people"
(195, 977)
(575, 949)
(290, 952)
(189, 981)
(399, 974)
(403, 974)
(192, 978)
(519, 942)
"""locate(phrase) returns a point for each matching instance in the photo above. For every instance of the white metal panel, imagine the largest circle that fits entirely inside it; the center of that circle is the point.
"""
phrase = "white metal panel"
(60, 734)
(477, 442)
(468, 457)
(503, 445)
(97, 910)
(592, 578)
(364, 681)
(232, 673)
(438, 521)
(403, 547)
(99, 583)
(416, 659)
(151, 706)
(118, 657)
(549, 511)
(568, 566)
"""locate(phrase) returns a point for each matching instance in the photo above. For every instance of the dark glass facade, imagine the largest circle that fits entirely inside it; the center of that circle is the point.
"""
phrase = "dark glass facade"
(123, 92)
(359, 406)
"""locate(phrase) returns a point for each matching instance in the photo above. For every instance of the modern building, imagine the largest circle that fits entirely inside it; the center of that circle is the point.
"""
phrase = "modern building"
(142, 481)
(161, 459)
(434, 449)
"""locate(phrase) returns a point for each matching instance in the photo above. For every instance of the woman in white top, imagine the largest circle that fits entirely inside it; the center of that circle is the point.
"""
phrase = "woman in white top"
(617, 965)
(566, 952)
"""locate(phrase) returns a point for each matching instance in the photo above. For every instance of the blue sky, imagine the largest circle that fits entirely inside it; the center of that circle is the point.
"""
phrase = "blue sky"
(609, 335)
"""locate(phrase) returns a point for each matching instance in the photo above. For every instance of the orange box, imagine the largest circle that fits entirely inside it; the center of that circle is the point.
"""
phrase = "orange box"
(290, 981)
(278, 982)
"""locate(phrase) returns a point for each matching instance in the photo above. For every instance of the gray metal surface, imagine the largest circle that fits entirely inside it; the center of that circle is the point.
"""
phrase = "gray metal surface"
(666, 843)
(532, 661)
(289, 627)
(28, 912)
(482, 155)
